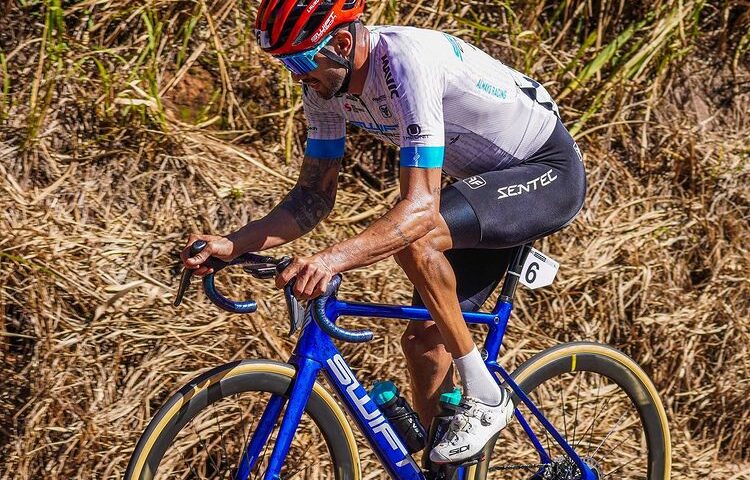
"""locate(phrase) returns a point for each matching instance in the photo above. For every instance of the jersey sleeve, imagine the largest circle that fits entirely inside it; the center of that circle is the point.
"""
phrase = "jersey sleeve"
(326, 126)
(416, 87)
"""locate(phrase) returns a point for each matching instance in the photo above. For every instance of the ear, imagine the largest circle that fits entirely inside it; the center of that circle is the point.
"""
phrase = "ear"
(342, 42)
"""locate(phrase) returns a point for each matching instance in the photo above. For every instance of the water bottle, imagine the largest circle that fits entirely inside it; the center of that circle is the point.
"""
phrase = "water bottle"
(399, 414)
(449, 403)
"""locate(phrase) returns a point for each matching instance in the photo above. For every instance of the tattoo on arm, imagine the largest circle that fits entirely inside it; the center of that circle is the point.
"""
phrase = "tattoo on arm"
(405, 240)
(308, 206)
(312, 198)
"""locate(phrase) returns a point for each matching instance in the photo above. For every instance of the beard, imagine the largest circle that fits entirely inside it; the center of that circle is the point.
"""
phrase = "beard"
(332, 83)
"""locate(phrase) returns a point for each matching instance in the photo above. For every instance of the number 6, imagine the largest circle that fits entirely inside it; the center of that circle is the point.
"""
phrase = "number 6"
(531, 272)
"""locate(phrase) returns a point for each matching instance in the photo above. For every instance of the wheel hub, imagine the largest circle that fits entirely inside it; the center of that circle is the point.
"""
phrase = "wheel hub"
(563, 468)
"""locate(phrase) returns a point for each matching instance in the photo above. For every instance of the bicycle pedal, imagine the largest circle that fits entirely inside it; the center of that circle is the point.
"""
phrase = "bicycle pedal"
(469, 461)
(473, 460)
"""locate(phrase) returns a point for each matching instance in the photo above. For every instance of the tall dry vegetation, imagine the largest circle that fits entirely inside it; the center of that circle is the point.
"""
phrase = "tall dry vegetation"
(126, 125)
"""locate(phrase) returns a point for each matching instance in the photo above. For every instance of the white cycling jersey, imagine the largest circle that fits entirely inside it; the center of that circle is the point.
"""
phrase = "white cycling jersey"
(444, 102)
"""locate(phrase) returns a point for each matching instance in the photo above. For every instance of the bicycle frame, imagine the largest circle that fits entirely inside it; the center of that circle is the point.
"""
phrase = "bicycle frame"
(315, 351)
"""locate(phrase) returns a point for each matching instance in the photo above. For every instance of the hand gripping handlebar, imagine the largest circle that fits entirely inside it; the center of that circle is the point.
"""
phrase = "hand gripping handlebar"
(267, 267)
(319, 314)
(248, 306)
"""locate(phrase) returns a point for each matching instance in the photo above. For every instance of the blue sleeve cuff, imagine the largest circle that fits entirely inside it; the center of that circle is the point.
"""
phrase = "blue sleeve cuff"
(325, 148)
(422, 157)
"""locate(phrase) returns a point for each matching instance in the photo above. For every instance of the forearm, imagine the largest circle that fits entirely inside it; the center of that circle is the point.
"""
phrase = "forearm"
(405, 223)
(300, 211)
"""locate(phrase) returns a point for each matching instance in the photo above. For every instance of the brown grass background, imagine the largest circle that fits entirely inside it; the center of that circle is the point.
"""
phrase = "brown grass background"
(126, 125)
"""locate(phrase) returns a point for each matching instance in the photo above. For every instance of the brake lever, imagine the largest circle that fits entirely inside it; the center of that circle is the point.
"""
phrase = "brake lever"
(294, 307)
(187, 275)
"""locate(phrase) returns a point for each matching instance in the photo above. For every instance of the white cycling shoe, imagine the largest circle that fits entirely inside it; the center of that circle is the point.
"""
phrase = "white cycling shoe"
(473, 425)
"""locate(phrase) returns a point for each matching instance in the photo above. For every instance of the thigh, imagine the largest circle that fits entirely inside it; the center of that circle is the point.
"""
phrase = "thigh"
(521, 203)
(478, 271)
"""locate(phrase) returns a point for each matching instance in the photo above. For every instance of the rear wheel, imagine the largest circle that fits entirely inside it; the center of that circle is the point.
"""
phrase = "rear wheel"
(601, 402)
(203, 429)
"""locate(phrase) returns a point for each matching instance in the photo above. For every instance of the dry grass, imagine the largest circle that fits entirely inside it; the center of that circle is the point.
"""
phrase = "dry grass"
(126, 125)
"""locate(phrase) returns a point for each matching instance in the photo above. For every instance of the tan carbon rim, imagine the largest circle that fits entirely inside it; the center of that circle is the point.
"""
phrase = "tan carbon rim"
(240, 370)
(625, 361)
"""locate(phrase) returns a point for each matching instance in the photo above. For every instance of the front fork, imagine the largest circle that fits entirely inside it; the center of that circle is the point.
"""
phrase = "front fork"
(301, 387)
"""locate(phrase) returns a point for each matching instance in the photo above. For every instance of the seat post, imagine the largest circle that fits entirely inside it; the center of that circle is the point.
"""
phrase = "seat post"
(504, 304)
(514, 273)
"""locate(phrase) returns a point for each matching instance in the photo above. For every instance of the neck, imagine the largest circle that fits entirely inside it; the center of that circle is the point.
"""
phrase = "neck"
(361, 62)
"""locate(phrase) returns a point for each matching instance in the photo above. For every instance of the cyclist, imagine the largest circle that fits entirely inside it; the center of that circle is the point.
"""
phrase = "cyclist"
(447, 105)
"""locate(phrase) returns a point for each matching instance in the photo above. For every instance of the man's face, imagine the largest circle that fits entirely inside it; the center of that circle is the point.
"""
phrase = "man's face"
(329, 76)
(326, 80)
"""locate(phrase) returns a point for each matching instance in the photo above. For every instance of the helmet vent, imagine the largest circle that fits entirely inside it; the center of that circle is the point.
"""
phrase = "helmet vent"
(313, 23)
(295, 25)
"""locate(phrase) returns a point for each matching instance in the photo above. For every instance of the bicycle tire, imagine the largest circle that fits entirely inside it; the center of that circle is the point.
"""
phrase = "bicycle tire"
(264, 376)
(606, 361)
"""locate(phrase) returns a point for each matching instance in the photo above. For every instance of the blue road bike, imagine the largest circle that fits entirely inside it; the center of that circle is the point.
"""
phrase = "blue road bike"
(584, 410)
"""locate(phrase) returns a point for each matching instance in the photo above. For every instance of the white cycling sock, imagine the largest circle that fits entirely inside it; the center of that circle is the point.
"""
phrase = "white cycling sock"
(477, 381)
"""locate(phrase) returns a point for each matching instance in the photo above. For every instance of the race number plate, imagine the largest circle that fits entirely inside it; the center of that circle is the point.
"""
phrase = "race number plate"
(539, 270)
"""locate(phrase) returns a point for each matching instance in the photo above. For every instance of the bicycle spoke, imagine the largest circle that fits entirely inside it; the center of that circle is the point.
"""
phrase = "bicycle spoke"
(212, 445)
(245, 438)
(262, 455)
(224, 453)
(617, 445)
(604, 423)
(205, 448)
(608, 435)
(621, 466)
(192, 469)
(575, 415)
(562, 404)
(590, 429)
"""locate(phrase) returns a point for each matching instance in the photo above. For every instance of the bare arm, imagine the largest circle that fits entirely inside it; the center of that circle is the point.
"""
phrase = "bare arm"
(309, 202)
(414, 216)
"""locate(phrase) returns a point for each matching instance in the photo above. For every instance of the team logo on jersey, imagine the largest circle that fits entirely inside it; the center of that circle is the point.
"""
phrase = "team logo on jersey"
(352, 108)
(389, 81)
(375, 127)
(384, 111)
(475, 182)
(414, 131)
(496, 92)
(457, 49)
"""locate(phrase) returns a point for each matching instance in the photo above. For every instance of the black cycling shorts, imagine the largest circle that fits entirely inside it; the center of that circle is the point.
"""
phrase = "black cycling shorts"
(488, 214)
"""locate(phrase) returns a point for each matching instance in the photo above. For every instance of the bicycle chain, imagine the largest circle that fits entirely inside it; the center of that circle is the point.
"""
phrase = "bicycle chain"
(527, 466)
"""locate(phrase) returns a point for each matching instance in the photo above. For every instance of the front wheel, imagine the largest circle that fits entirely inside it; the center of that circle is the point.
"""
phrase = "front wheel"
(203, 430)
(601, 402)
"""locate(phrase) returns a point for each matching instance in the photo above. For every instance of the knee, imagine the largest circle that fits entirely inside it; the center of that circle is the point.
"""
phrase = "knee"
(416, 254)
(422, 340)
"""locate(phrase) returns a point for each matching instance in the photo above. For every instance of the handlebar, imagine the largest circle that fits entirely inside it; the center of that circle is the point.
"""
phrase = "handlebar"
(261, 266)
(319, 314)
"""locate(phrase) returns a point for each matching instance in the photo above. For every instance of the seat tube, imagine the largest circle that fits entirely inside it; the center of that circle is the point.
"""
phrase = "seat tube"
(307, 371)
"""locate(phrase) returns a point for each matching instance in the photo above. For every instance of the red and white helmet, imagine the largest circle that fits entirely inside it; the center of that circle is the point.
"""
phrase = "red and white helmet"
(285, 27)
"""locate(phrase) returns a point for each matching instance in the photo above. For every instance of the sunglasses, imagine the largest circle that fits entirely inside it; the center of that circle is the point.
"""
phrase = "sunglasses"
(302, 63)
